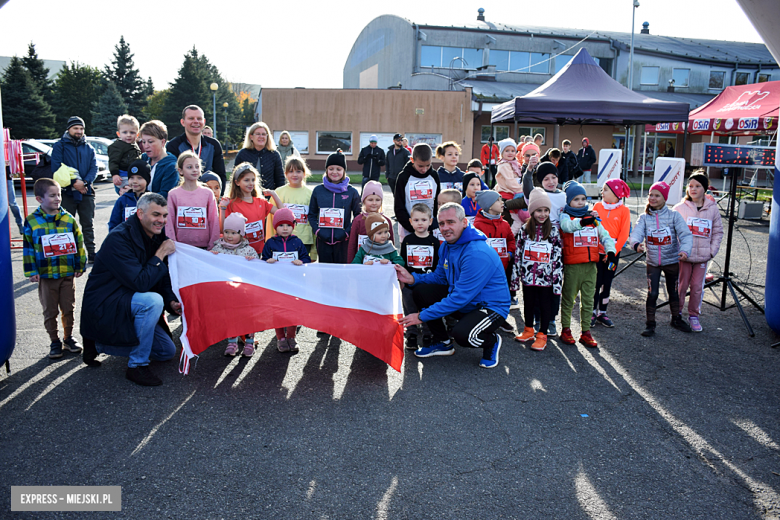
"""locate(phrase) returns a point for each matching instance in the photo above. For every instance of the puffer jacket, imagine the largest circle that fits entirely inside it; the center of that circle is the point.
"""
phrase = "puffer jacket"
(704, 248)
(664, 219)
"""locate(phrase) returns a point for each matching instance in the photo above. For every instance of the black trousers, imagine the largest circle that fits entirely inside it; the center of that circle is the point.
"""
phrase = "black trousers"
(475, 329)
(373, 177)
(331, 253)
(391, 182)
(537, 300)
(604, 279)
(85, 210)
(671, 272)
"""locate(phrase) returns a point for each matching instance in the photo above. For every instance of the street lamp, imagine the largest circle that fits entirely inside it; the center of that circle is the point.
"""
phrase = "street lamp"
(631, 54)
(214, 88)
(225, 106)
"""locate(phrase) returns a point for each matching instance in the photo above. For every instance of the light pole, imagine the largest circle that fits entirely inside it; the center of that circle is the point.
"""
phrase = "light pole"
(631, 53)
(214, 88)
(225, 106)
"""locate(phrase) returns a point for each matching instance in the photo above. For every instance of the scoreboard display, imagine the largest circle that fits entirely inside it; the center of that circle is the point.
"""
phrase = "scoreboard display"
(725, 155)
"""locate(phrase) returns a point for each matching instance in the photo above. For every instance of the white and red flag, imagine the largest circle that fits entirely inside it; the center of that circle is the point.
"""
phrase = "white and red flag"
(225, 296)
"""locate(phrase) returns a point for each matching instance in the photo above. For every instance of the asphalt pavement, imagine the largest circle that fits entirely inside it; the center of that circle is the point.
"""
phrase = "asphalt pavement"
(675, 426)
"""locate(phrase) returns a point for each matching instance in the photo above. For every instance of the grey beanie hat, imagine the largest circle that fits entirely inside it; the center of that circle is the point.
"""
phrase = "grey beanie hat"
(487, 198)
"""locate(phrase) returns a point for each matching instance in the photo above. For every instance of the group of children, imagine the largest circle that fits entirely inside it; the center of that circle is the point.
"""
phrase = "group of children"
(552, 245)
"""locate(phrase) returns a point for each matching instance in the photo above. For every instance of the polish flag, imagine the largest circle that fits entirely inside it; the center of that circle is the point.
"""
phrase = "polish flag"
(225, 296)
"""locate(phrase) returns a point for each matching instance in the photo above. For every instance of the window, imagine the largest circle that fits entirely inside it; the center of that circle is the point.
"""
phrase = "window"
(500, 59)
(430, 56)
(649, 76)
(561, 62)
(742, 78)
(519, 61)
(329, 142)
(717, 79)
(383, 141)
(300, 140)
(532, 131)
(680, 77)
(540, 63)
(605, 64)
(432, 140)
(434, 56)
(473, 57)
(764, 77)
(499, 133)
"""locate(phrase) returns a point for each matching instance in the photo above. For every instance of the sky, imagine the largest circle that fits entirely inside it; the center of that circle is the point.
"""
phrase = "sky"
(305, 43)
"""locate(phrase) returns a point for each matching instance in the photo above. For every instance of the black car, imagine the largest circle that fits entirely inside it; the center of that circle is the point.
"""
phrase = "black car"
(37, 161)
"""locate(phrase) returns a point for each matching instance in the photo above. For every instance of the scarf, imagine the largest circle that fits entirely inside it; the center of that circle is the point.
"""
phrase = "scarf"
(579, 212)
(76, 142)
(221, 242)
(610, 207)
(284, 151)
(489, 216)
(339, 187)
(373, 248)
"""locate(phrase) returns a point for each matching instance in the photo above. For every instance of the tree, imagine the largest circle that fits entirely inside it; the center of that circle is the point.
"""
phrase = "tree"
(191, 87)
(39, 73)
(155, 104)
(107, 111)
(24, 110)
(77, 89)
(126, 78)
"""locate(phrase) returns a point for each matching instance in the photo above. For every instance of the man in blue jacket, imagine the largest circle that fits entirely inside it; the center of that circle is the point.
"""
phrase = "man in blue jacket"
(78, 198)
(469, 282)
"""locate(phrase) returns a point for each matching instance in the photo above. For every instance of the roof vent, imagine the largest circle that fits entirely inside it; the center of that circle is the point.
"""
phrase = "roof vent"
(645, 28)
(481, 15)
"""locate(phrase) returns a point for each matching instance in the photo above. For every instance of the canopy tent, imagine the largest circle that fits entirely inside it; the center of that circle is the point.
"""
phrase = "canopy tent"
(583, 94)
(738, 110)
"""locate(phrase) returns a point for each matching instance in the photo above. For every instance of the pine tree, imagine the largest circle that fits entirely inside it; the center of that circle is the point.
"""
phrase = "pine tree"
(155, 104)
(76, 91)
(39, 73)
(191, 87)
(107, 110)
(24, 110)
(126, 78)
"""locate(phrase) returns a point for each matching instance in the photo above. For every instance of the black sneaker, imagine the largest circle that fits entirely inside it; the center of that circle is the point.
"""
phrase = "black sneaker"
(71, 345)
(143, 376)
(411, 342)
(604, 320)
(427, 340)
(649, 329)
(55, 351)
(91, 258)
(506, 327)
(680, 324)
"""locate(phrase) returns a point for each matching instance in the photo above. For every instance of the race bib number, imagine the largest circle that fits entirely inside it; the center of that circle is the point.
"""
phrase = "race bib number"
(191, 217)
(421, 190)
(660, 237)
(300, 212)
(471, 220)
(361, 239)
(371, 258)
(332, 218)
(538, 252)
(129, 212)
(59, 244)
(254, 231)
(285, 256)
(499, 244)
(420, 257)
(586, 237)
(437, 234)
(700, 227)
(458, 186)
(447, 185)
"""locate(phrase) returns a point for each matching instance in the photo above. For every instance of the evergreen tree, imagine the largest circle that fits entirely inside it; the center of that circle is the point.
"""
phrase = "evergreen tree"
(107, 111)
(39, 73)
(125, 77)
(76, 90)
(24, 110)
(155, 104)
(191, 87)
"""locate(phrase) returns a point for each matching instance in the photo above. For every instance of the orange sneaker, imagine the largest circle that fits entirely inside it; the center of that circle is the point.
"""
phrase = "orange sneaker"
(566, 336)
(540, 343)
(528, 333)
(587, 340)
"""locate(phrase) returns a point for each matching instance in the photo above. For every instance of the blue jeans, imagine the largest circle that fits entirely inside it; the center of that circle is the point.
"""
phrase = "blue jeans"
(153, 342)
(13, 205)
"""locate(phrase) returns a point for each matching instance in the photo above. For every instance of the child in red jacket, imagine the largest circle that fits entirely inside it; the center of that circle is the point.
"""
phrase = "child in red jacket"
(500, 237)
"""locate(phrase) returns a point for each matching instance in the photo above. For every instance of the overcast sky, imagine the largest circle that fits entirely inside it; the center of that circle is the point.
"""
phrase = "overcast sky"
(305, 43)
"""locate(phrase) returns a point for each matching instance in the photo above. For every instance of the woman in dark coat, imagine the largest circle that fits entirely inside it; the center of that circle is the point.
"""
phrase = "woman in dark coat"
(260, 151)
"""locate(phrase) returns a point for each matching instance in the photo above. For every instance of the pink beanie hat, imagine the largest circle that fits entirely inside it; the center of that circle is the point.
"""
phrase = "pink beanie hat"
(662, 187)
(372, 188)
(619, 188)
(235, 222)
(284, 216)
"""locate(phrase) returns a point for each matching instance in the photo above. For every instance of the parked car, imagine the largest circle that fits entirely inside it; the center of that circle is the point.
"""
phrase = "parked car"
(35, 166)
(100, 145)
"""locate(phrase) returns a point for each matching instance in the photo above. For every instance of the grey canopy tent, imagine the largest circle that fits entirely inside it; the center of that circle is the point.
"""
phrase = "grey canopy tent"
(583, 94)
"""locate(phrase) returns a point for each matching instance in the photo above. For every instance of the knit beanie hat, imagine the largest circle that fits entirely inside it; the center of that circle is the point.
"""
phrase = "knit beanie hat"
(235, 222)
(141, 167)
(531, 147)
(662, 187)
(538, 199)
(467, 178)
(336, 159)
(487, 198)
(75, 120)
(502, 144)
(572, 189)
(701, 178)
(372, 188)
(283, 216)
(619, 188)
(374, 224)
(210, 176)
(544, 169)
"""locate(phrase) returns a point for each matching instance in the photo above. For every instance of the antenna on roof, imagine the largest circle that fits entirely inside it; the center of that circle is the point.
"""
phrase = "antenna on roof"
(481, 15)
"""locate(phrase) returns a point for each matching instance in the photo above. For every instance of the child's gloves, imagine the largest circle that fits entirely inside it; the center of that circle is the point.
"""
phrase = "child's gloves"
(518, 195)
(611, 263)
(587, 221)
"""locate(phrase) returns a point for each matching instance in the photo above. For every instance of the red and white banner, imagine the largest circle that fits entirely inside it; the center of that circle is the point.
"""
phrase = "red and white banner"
(225, 296)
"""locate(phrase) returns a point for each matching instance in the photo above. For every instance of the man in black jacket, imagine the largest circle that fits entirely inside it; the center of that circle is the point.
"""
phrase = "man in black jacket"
(129, 288)
(397, 157)
(586, 158)
(372, 158)
(209, 150)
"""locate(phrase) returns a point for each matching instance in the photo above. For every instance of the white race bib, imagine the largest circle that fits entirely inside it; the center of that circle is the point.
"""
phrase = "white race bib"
(191, 217)
(129, 212)
(300, 212)
(254, 231)
(332, 218)
(586, 237)
(499, 244)
(539, 252)
(58, 244)
(420, 257)
(660, 237)
(472, 219)
(437, 234)
(285, 256)
(371, 258)
(700, 227)
(421, 190)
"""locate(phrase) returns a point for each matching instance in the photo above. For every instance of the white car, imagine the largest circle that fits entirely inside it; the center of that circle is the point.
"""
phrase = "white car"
(100, 145)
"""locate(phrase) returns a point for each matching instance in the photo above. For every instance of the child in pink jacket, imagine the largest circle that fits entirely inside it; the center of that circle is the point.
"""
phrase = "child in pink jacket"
(703, 219)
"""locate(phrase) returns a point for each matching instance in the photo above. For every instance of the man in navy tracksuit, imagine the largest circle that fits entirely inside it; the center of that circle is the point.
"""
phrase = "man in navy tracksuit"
(469, 282)
(207, 149)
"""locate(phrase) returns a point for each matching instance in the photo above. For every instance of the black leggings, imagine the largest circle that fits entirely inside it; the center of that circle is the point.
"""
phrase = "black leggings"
(604, 279)
(537, 300)
(331, 253)
(671, 273)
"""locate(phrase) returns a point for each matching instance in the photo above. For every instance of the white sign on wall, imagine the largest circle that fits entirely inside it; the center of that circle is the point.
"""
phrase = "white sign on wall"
(300, 140)
(610, 165)
(672, 172)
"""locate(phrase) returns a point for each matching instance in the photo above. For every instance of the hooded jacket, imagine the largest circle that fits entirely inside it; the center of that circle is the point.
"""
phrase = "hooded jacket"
(653, 227)
(497, 228)
(79, 155)
(704, 248)
(474, 274)
(406, 196)
(166, 177)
